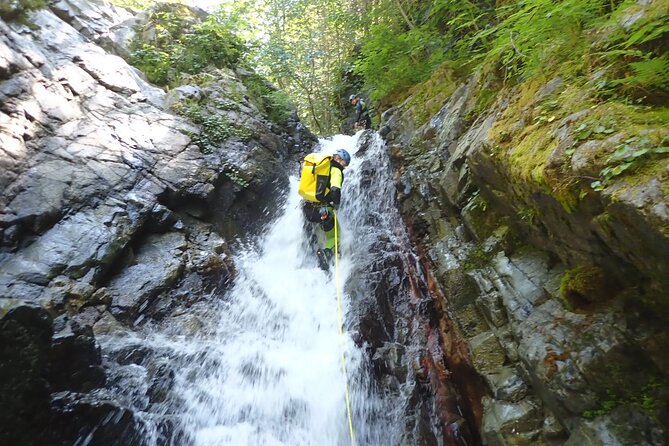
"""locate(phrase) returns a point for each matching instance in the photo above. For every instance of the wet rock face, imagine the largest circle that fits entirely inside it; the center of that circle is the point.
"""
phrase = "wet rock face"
(79, 416)
(140, 282)
(502, 247)
(109, 215)
(47, 365)
(393, 307)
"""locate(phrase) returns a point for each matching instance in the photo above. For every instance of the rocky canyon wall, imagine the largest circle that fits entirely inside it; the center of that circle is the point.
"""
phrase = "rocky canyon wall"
(558, 282)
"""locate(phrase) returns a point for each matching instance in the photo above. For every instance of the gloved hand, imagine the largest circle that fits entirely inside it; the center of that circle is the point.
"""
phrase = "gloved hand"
(324, 213)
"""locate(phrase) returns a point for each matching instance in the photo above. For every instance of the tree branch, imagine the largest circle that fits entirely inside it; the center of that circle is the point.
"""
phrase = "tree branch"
(404, 15)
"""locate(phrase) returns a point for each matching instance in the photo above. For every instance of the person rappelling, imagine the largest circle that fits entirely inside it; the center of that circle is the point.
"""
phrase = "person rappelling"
(320, 185)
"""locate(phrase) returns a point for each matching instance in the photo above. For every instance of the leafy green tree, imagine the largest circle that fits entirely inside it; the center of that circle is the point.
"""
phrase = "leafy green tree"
(319, 51)
(304, 44)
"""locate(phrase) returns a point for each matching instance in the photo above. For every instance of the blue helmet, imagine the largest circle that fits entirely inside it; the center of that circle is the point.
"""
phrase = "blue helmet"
(343, 154)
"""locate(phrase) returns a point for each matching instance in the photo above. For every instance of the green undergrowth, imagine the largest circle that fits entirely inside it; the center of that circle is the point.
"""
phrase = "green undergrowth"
(603, 50)
(17, 10)
(175, 41)
(178, 45)
(634, 56)
(273, 103)
(215, 128)
(613, 49)
(602, 101)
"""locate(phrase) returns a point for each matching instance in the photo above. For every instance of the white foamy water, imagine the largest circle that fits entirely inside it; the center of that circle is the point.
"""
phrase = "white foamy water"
(266, 366)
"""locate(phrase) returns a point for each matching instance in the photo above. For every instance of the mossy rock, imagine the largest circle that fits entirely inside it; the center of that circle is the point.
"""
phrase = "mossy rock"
(587, 285)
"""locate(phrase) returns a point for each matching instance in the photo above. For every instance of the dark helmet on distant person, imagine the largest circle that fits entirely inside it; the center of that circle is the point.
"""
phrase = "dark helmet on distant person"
(343, 154)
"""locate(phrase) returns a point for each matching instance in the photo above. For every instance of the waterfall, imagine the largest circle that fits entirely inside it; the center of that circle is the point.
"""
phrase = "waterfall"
(263, 366)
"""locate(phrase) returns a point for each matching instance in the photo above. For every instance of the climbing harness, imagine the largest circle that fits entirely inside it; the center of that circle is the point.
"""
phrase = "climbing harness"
(341, 331)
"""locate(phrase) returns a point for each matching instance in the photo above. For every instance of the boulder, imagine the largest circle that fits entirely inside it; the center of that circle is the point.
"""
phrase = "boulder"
(159, 263)
(622, 426)
(25, 345)
(507, 384)
(75, 361)
(87, 418)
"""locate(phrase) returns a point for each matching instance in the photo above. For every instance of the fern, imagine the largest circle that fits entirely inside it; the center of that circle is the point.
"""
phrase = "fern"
(624, 42)
(393, 60)
(647, 74)
(535, 34)
(648, 32)
(394, 57)
(636, 58)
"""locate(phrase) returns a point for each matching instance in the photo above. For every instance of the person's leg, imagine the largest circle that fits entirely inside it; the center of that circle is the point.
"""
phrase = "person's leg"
(330, 237)
(326, 254)
(311, 212)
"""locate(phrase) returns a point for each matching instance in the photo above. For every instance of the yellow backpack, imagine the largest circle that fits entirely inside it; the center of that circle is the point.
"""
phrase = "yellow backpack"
(315, 177)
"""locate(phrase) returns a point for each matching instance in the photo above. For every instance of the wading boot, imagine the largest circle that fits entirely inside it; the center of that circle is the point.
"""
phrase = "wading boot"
(324, 258)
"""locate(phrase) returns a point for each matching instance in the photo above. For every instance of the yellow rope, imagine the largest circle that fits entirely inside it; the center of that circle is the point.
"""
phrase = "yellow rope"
(341, 332)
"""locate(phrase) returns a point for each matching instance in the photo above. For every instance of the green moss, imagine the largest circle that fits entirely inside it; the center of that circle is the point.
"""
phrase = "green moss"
(524, 140)
(214, 127)
(630, 381)
(427, 98)
(586, 285)
(569, 194)
(528, 215)
(477, 258)
(524, 146)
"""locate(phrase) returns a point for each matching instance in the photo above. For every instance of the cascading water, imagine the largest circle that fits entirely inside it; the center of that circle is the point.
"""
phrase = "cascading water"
(264, 366)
